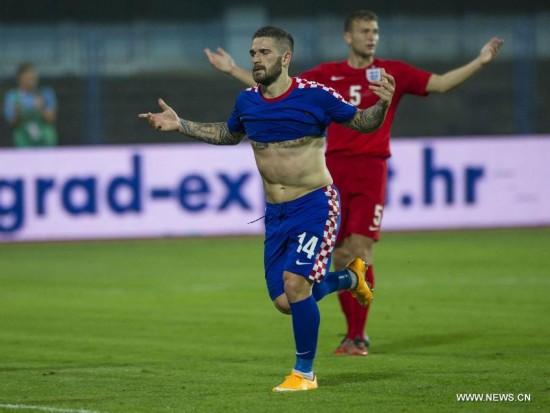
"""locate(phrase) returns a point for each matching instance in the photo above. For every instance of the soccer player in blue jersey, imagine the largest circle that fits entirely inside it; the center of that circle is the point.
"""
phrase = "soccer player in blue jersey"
(285, 119)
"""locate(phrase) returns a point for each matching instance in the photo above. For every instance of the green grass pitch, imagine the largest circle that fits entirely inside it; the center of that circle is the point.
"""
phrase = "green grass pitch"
(186, 325)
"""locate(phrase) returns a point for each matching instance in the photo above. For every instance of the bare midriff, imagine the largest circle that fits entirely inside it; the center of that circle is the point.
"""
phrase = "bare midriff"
(292, 169)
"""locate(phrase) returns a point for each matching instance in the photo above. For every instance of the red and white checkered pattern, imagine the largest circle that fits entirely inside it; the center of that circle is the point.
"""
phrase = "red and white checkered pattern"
(329, 236)
(305, 84)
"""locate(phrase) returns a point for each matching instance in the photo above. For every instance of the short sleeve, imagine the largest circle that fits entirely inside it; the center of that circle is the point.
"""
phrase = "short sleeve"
(336, 107)
(234, 122)
(413, 80)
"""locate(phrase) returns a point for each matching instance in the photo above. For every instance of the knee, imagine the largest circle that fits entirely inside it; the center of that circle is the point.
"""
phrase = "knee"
(362, 247)
(281, 304)
(292, 287)
(341, 256)
(297, 287)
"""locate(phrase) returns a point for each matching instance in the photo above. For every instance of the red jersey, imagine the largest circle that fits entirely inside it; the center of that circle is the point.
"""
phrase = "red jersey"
(353, 85)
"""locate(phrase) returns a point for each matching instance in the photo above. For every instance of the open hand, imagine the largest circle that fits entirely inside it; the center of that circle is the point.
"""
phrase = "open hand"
(490, 50)
(166, 121)
(384, 88)
(220, 59)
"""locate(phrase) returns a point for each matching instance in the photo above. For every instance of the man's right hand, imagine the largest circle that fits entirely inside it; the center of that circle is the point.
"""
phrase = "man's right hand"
(490, 51)
(221, 60)
(167, 120)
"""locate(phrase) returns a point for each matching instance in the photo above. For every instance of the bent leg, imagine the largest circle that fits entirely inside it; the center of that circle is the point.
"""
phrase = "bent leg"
(334, 281)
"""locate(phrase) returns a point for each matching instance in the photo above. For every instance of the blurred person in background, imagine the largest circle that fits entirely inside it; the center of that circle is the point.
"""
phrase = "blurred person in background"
(359, 165)
(30, 110)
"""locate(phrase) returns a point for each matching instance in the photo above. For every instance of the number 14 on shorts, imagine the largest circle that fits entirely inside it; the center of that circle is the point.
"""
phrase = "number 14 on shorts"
(308, 247)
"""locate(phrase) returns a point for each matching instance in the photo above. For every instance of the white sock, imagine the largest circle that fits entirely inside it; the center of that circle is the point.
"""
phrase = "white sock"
(309, 376)
(354, 279)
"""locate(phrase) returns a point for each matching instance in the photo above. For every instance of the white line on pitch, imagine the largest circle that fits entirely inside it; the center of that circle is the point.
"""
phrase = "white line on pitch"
(44, 408)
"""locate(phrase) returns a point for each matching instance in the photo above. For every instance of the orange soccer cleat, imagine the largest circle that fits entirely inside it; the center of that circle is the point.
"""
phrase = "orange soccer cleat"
(296, 382)
(362, 291)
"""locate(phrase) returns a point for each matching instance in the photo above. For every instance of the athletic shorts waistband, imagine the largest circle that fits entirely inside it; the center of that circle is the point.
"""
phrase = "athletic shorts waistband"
(311, 195)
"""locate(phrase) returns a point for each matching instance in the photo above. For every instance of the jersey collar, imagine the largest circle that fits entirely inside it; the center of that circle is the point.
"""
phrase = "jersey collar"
(280, 97)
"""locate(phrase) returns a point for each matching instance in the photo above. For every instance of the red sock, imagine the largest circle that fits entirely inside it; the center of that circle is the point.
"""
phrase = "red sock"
(370, 277)
(358, 314)
(346, 301)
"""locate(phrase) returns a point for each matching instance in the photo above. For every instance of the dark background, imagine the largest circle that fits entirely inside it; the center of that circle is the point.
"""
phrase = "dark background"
(488, 104)
(38, 11)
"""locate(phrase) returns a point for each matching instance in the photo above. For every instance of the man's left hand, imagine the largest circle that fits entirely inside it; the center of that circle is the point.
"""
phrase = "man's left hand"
(490, 51)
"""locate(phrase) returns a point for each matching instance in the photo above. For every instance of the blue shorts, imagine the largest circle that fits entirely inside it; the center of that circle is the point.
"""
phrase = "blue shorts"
(300, 236)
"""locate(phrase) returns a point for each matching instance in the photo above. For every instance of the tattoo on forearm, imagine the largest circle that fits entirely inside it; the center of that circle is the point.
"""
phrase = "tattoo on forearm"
(212, 133)
(368, 120)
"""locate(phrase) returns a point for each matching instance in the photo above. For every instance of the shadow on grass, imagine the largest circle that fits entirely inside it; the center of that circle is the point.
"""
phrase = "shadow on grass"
(354, 378)
(423, 341)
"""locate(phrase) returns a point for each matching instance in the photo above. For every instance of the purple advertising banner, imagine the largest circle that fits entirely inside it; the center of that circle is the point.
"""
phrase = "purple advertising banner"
(468, 183)
(129, 192)
(195, 189)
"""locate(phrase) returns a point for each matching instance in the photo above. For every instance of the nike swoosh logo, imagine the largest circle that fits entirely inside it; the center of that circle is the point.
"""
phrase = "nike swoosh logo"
(298, 262)
(371, 228)
(301, 354)
(336, 78)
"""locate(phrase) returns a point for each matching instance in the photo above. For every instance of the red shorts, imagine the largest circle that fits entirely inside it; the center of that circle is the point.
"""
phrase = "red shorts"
(361, 181)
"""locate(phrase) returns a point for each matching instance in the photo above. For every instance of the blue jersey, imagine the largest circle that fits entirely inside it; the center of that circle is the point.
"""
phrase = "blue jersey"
(306, 109)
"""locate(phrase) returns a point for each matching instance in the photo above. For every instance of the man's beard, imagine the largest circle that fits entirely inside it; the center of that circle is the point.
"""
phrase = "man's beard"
(270, 76)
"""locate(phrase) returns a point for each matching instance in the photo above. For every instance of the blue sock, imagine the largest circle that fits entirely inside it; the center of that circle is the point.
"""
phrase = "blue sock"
(333, 281)
(305, 323)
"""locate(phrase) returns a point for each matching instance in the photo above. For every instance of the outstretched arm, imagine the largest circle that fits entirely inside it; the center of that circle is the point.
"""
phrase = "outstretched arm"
(213, 133)
(222, 61)
(450, 80)
(368, 120)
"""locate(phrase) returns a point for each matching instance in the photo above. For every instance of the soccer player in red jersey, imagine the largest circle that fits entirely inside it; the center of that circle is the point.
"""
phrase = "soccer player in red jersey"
(358, 165)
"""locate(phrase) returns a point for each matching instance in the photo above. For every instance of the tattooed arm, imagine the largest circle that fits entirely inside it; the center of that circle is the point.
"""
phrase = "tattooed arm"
(213, 133)
(370, 119)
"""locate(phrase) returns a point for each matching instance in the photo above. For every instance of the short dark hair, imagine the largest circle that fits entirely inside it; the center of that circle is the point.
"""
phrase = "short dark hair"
(24, 67)
(366, 15)
(282, 37)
